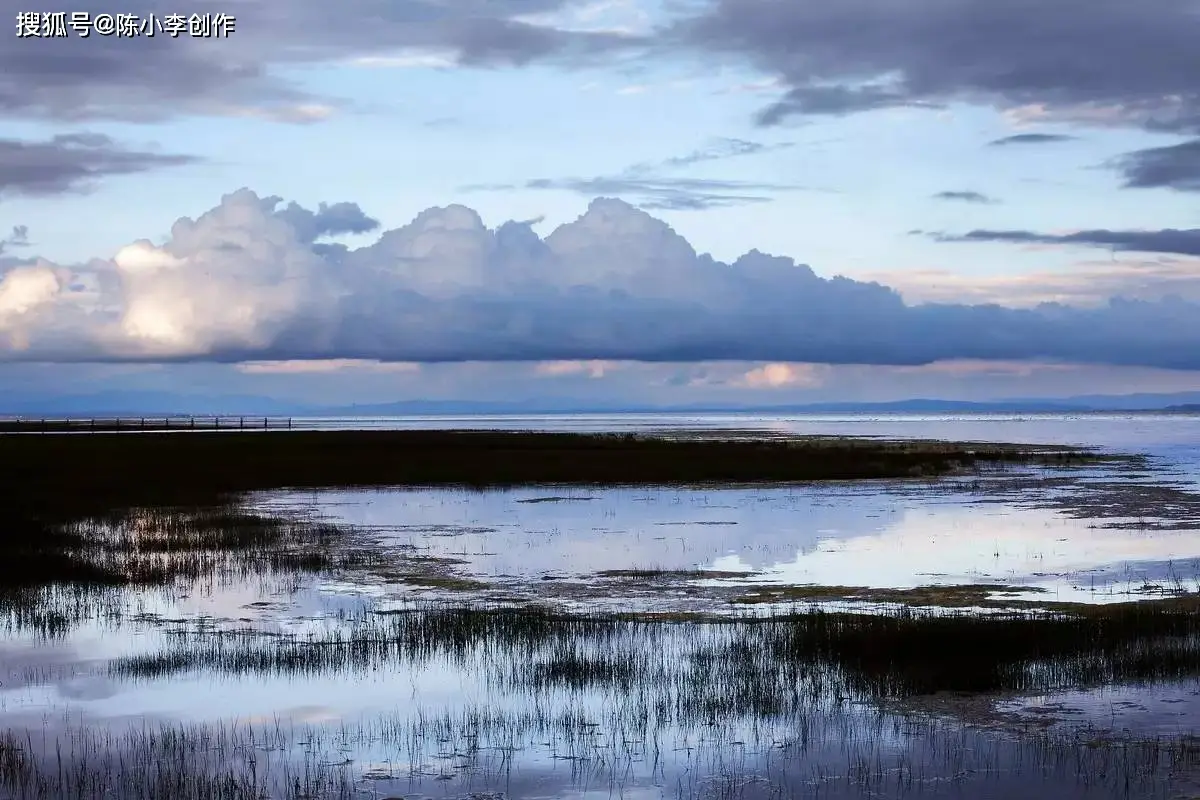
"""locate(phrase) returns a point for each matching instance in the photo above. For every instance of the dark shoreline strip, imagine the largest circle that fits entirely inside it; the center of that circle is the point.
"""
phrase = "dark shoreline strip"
(121, 468)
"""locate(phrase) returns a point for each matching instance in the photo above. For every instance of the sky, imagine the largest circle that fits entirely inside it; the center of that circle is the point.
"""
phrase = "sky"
(671, 201)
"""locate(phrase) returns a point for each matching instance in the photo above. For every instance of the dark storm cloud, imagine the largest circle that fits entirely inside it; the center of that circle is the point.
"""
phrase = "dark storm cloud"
(1180, 242)
(71, 162)
(615, 284)
(1032, 138)
(74, 78)
(965, 197)
(1173, 167)
(1107, 62)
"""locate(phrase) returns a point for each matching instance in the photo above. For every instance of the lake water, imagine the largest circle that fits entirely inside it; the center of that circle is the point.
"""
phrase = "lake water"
(880, 535)
(554, 718)
(1177, 432)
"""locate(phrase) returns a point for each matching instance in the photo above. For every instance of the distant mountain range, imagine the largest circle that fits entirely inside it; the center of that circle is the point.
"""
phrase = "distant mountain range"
(115, 403)
(1184, 402)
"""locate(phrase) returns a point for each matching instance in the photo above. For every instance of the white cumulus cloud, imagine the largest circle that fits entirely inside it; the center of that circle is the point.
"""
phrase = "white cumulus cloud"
(252, 280)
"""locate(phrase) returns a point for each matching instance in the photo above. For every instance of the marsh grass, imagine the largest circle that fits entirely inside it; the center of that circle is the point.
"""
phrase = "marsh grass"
(980, 595)
(148, 546)
(483, 752)
(657, 574)
(1112, 500)
(592, 684)
(56, 574)
(756, 661)
(449, 583)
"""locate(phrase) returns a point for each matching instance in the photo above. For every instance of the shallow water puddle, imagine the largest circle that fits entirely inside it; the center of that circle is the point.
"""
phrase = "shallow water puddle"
(893, 536)
(1120, 711)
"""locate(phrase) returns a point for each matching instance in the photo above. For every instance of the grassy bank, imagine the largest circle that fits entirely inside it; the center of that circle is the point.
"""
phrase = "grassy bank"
(118, 470)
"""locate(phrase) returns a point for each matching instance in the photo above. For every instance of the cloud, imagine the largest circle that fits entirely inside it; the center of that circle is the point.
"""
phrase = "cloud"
(23, 290)
(676, 194)
(246, 282)
(72, 162)
(1173, 167)
(967, 368)
(776, 376)
(965, 197)
(1031, 138)
(605, 16)
(738, 375)
(832, 58)
(1086, 64)
(718, 150)
(109, 77)
(1170, 240)
(197, 386)
(412, 60)
(327, 220)
(322, 366)
(836, 101)
(651, 187)
(593, 369)
(18, 238)
(1087, 283)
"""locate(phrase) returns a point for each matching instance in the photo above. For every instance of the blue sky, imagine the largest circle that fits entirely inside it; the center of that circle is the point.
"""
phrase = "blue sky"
(859, 140)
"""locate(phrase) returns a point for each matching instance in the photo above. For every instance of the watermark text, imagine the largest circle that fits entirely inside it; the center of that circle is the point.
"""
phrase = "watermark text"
(64, 24)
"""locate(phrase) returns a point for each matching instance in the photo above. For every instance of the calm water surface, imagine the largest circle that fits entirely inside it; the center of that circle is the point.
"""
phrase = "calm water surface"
(886, 534)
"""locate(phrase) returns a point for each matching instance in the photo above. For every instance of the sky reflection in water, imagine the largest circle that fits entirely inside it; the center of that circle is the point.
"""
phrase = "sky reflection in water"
(889, 537)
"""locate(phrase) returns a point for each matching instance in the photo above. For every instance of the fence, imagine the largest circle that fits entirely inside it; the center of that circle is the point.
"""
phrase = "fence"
(108, 424)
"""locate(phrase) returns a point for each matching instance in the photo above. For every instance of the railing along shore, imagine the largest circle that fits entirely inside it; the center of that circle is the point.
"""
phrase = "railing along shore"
(161, 423)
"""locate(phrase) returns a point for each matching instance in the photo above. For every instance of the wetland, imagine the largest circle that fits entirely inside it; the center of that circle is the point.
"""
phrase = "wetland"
(764, 608)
